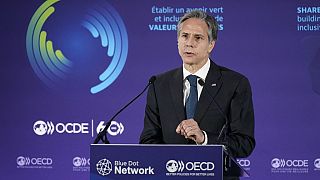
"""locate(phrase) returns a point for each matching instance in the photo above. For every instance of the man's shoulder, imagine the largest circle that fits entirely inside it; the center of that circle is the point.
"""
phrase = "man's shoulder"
(231, 74)
(232, 78)
(166, 76)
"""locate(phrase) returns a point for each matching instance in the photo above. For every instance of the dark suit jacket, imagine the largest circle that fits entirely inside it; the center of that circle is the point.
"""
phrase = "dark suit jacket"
(225, 88)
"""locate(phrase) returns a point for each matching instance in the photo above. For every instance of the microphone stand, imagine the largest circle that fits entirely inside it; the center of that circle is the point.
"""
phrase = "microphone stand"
(102, 135)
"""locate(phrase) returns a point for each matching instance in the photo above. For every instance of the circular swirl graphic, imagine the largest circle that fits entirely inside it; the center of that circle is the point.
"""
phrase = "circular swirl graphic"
(53, 67)
(49, 65)
(107, 23)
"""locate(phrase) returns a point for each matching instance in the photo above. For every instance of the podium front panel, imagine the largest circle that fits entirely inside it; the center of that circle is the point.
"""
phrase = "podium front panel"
(155, 162)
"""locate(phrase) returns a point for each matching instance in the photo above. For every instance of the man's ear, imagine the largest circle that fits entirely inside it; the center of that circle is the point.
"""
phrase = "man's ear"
(211, 46)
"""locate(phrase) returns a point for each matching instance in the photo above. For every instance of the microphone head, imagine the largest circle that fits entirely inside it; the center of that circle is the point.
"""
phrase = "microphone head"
(152, 79)
(201, 82)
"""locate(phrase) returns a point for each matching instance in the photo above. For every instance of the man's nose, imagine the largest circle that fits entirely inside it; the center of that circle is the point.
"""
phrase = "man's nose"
(190, 42)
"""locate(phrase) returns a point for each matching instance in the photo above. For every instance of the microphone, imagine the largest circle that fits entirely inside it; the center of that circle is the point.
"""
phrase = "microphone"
(225, 126)
(103, 133)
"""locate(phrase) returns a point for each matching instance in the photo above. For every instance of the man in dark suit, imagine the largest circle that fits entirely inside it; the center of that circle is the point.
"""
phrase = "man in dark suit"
(200, 102)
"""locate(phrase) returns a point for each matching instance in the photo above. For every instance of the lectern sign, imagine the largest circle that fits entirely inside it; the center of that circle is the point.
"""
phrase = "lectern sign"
(155, 162)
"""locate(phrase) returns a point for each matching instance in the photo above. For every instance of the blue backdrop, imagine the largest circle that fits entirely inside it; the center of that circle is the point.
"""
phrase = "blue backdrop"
(54, 52)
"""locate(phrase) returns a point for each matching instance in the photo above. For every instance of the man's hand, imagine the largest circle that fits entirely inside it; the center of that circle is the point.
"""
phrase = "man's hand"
(190, 129)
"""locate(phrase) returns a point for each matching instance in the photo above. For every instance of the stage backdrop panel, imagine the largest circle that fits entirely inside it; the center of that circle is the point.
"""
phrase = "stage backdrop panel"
(67, 66)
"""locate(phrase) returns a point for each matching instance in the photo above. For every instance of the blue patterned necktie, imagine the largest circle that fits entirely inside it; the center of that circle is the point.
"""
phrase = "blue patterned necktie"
(192, 100)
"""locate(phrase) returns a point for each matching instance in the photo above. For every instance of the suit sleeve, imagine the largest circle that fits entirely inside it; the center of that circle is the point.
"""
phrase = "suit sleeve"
(239, 137)
(151, 133)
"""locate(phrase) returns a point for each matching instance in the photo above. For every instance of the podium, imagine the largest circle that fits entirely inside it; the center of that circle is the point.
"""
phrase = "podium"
(135, 161)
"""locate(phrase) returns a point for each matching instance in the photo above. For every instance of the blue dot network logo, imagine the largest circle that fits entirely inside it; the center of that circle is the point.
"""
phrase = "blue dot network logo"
(53, 66)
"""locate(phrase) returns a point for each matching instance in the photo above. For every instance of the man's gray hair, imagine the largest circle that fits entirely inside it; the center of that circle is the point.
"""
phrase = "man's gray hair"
(209, 20)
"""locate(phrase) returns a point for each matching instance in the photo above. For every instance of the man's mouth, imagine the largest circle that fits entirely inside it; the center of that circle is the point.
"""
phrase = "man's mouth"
(188, 53)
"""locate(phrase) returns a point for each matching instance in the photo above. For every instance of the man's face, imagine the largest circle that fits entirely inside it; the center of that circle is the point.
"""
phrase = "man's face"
(193, 44)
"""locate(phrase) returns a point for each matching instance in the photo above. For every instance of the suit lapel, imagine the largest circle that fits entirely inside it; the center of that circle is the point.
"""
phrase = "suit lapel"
(176, 88)
(211, 87)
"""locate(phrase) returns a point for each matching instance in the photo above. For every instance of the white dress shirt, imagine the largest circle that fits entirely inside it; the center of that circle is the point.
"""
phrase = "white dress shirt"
(202, 74)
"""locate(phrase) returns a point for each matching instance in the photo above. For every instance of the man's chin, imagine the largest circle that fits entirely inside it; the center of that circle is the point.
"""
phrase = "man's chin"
(188, 60)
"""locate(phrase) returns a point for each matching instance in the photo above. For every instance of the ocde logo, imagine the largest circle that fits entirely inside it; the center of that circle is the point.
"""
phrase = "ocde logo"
(244, 162)
(41, 128)
(276, 163)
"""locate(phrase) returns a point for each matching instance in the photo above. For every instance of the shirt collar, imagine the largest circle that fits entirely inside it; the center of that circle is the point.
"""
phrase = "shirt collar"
(201, 73)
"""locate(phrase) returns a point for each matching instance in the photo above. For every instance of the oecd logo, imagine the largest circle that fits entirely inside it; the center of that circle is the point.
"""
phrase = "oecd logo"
(81, 164)
(34, 162)
(173, 166)
(104, 167)
(60, 68)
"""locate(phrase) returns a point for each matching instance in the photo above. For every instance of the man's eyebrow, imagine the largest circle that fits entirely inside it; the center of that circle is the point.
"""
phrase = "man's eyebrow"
(199, 35)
